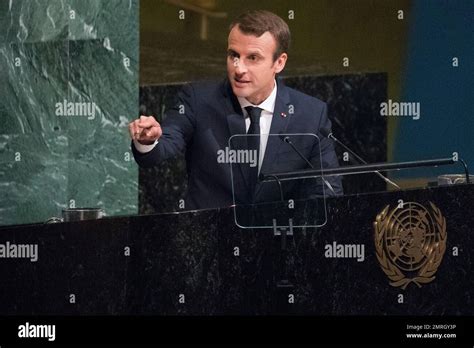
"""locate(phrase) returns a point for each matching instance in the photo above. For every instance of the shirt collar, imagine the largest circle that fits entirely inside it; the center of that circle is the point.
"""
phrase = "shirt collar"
(267, 105)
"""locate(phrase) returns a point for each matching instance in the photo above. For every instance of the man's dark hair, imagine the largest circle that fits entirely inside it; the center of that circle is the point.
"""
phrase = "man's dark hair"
(257, 22)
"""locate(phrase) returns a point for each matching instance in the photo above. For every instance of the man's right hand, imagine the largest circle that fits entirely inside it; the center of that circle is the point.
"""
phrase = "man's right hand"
(146, 130)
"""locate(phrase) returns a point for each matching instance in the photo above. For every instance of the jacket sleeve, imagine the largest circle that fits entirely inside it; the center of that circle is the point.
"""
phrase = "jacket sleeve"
(178, 129)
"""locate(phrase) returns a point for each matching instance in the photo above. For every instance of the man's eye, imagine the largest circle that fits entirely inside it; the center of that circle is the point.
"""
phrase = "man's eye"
(253, 57)
(233, 55)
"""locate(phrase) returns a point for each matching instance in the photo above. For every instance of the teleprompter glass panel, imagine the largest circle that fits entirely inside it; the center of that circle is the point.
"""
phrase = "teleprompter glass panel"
(277, 180)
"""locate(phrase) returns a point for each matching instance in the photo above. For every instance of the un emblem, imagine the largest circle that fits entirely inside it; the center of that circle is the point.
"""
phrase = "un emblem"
(410, 242)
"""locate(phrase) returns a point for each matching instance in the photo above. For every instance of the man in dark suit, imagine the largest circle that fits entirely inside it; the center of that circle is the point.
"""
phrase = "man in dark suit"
(209, 117)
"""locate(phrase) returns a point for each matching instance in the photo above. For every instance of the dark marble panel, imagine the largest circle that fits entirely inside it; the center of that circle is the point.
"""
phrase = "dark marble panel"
(174, 56)
(194, 254)
(94, 274)
(180, 252)
(353, 107)
(163, 194)
(354, 110)
(321, 285)
(364, 286)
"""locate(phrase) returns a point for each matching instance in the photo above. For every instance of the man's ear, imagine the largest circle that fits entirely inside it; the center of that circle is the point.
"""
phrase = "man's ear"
(280, 63)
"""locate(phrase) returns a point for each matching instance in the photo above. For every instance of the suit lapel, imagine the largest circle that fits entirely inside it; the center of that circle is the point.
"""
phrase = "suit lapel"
(236, 125)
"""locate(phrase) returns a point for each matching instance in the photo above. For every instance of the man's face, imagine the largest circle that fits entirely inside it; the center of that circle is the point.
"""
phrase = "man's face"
(250, 66)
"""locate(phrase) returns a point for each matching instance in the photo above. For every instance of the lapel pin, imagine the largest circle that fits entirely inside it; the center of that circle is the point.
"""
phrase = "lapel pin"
(283, 114)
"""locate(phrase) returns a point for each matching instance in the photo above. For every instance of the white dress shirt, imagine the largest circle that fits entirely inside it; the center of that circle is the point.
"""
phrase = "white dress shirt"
(144, 148)
(267, 106)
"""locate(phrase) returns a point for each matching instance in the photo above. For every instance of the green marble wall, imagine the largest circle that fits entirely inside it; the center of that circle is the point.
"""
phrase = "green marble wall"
(73, 51)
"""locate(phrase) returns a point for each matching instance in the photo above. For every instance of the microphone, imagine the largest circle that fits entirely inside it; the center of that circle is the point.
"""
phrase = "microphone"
(287, 139)
(327, 134)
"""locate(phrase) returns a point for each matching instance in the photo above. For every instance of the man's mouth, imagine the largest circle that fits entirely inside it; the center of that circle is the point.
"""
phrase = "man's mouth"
(241, 82)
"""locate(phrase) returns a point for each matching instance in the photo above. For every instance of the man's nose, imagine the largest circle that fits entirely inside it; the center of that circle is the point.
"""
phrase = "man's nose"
(240, 68)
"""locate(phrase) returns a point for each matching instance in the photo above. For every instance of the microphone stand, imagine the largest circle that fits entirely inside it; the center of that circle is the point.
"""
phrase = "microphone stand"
(288, 141)
(387, 180)
(356, 169)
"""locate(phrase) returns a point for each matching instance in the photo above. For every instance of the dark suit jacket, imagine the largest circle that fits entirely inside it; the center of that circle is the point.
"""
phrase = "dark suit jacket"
(206, 115)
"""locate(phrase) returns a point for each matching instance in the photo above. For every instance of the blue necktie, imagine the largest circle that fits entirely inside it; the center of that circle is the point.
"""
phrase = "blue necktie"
(253, 142)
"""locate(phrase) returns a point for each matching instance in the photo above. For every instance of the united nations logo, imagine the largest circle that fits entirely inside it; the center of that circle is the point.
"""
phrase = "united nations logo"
(410, 242)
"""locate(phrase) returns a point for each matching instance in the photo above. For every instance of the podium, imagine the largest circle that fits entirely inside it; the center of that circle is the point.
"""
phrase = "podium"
(201, 263)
